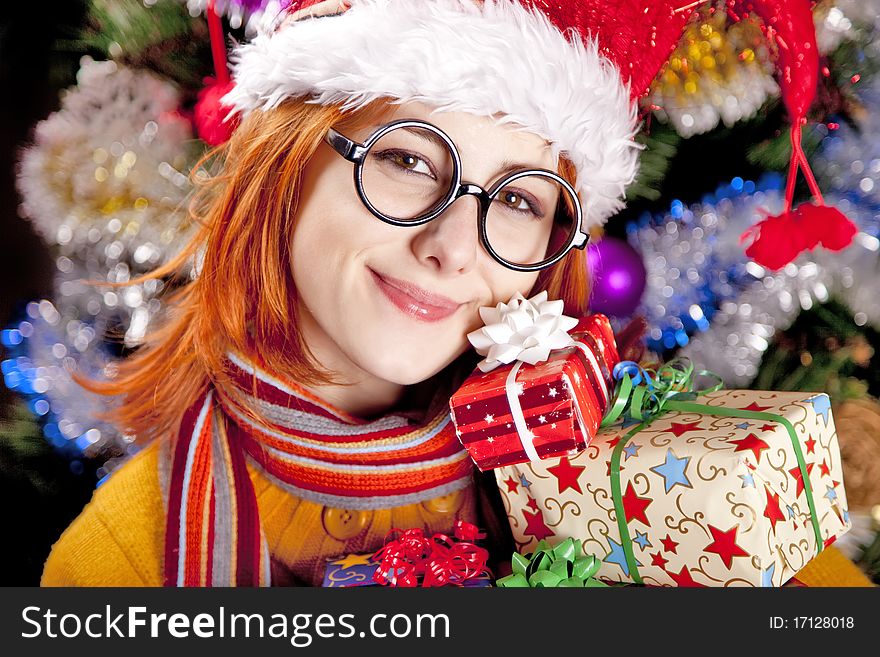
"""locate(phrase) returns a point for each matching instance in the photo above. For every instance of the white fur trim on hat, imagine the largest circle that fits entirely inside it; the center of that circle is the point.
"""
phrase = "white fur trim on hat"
(487, 58)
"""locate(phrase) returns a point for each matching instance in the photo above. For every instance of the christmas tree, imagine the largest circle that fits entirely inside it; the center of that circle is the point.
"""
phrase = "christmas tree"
(105, 181)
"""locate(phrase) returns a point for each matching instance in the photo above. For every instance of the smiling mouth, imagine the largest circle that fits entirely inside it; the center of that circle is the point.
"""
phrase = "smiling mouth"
(414, 301)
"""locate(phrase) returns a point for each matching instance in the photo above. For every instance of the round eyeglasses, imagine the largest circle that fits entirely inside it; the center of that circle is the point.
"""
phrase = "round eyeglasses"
(409, 172)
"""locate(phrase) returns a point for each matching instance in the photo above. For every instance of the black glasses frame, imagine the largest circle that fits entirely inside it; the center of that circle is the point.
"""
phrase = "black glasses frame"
(356, 153)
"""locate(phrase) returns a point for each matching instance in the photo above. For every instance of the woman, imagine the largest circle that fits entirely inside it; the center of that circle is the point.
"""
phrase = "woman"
(295, 401)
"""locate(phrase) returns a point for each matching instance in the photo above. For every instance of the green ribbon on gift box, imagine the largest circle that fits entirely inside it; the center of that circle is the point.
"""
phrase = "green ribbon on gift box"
(563, 565)
(644, 395)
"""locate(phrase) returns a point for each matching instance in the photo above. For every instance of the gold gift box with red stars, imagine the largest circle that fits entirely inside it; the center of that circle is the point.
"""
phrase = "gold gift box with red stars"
(708, 500)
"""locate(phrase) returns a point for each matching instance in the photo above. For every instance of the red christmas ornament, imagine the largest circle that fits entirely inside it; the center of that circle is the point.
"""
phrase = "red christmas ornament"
(829, 226)
(210, 113)
(775, 240)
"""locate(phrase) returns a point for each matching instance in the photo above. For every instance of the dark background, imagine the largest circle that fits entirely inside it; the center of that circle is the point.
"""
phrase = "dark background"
(32, 72)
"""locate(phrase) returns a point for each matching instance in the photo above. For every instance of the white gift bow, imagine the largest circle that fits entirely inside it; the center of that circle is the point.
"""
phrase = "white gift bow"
(521, 329)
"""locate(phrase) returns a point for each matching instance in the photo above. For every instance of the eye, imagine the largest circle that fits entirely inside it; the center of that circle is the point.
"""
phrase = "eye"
(519, 202)
(406, 160)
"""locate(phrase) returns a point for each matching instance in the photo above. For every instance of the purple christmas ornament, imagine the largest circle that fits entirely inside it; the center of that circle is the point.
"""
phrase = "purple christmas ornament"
(252, 14)
(617, 277)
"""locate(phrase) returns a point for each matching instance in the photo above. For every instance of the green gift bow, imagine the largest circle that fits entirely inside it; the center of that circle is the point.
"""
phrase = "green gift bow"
(644, 395)
(549, 567)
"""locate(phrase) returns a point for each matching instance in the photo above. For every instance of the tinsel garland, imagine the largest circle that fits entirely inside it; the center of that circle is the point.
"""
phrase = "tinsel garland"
(105, 178)
(848, 165)
(693, 259)
(743, 329)
(840, 20)
(722, 311)
(105, 183)
(719, 72)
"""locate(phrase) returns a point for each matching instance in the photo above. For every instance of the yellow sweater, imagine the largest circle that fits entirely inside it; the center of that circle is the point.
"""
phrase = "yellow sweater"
(118, 540)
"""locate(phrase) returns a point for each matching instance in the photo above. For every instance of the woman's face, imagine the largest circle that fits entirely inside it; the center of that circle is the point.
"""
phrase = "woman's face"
(394, 304)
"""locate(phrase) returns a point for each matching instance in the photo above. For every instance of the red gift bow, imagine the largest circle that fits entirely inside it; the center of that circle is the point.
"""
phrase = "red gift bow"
(438, 560)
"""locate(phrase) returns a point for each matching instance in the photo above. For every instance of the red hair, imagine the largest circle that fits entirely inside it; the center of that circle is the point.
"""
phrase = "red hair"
(244, 298)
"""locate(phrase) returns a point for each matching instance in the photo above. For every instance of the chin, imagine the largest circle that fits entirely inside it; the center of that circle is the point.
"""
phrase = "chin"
(406, 368)
(404, 372)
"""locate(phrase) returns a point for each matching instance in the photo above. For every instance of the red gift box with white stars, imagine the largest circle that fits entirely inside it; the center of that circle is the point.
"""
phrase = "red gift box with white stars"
(708, 500)
(556, 405)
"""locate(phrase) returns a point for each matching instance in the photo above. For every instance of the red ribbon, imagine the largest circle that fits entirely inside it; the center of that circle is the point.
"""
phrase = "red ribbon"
(413, 559)
(218, 46)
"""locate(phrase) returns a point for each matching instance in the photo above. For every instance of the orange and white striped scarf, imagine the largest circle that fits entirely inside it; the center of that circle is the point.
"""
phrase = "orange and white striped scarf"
(213, 532)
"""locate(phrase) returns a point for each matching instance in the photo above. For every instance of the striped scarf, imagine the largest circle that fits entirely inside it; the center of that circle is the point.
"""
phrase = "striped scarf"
(213, 534)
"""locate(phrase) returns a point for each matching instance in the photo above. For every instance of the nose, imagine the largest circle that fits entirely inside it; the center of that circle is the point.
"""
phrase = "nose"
(451, 242)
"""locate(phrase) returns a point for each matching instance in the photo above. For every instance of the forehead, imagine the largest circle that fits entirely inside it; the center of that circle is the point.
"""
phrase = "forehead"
(483, 141)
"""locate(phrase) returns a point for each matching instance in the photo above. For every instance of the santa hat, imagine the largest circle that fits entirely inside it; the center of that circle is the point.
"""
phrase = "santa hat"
(570, 71)
(535, 65)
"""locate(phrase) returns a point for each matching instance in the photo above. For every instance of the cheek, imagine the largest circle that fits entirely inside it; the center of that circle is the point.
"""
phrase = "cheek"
(334, 238)
(329, 218)
(309, 244)
(305, 245)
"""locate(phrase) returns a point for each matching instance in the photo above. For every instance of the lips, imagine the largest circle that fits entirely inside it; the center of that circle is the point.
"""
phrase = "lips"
(414, 301)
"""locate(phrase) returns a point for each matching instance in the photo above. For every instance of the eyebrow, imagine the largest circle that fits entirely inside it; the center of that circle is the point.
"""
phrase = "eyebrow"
(426, 135)
(507, 166)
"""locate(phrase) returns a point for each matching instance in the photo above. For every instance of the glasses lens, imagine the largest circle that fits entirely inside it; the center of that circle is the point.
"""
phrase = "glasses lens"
(531, 220)
(408, 173)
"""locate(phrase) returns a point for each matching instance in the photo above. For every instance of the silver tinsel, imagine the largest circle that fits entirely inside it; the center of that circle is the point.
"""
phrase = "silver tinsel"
(696, 269)
(694, 260)
(108, 171)
(743, 329)
(836, 22)
(849, 160)
(848, 165)
(105, 184)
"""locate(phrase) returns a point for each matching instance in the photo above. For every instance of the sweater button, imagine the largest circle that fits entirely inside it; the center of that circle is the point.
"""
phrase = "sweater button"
(445, 504)
(343, 524)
